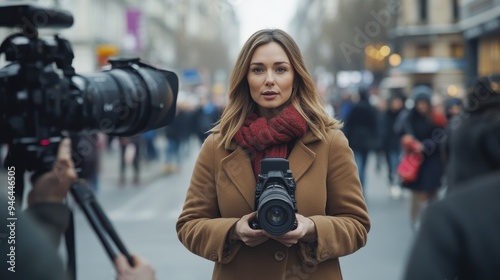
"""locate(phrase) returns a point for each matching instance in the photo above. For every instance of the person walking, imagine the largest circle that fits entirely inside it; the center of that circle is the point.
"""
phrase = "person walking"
(391, 142)
(177, 135)
(421, 125)
(274, 111)
(362, 132)
(132, 142)
(205, 117)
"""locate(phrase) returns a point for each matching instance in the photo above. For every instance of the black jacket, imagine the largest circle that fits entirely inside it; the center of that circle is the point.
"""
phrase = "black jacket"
(361, 126)
(459, 236)
(391, 139)
(36, 236)
(475, 148)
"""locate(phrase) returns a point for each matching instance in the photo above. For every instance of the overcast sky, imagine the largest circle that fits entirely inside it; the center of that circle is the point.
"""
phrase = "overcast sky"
(259, 14)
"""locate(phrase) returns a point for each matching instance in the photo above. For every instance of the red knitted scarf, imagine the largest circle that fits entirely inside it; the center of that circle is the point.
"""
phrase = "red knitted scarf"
(270, 138)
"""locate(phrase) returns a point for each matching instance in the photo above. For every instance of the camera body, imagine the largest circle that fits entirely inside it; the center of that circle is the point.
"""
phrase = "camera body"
(42, 99)
(275, 201)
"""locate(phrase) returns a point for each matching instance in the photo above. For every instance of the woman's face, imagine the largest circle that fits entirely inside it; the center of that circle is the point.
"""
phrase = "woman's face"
(270, 78)
(422, 106)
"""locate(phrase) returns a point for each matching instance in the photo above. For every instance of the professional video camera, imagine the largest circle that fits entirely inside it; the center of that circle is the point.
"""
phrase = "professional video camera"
(41, 95)
(42, 100)
(275, 197)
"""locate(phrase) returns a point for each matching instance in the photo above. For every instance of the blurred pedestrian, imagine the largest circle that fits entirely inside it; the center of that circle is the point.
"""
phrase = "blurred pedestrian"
(362, 132)
(346, 104)
(474, 135)
(422, 125)
(391, 141)
(205, 117)
(458, 238)
(453, 109)
(151, 153)
(177, 134)
(127, 143)
(274, 111)
(380, 106)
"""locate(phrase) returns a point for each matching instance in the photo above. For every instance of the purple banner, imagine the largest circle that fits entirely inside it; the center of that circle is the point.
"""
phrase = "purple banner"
(133, 39)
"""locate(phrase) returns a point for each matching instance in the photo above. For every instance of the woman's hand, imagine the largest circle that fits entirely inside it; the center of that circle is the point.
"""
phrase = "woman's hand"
(410, 143)
(251, 237)
(305, 231)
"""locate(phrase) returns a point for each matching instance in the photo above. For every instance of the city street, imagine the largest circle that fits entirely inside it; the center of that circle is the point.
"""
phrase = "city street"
(418, 79)
(145, 219)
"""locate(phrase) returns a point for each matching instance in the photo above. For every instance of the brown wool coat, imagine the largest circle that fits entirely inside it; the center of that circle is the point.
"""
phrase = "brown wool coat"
(328, 191)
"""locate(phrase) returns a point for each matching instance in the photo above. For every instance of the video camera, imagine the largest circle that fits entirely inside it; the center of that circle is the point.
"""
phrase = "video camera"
(42, 100)
(41, 95)
(275, 197)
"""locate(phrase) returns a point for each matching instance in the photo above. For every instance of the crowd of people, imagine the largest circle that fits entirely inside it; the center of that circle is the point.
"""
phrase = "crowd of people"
(458, 146)
(418, 119)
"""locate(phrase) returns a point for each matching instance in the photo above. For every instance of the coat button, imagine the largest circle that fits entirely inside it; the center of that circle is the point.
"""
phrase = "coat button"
(213, 256)
(279, 255)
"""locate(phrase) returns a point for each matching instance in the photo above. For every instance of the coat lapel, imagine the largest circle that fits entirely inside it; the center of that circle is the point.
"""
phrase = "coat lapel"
(300, 159)
(238, 168)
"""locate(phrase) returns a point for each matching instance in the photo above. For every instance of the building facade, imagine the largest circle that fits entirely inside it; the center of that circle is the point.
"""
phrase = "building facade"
(178, 35)
(429, 40)
(480, 22)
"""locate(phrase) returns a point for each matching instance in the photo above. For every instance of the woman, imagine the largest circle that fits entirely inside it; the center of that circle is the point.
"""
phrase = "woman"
(274, 111)
(426, 128)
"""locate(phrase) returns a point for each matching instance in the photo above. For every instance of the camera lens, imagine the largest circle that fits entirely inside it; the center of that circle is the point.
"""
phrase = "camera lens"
(276, 213)
(128, 99)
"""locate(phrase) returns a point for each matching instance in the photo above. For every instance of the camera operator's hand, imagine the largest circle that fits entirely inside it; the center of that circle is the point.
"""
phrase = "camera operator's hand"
(53, 186)
(245, 233)
(141, 271)
(305, 231)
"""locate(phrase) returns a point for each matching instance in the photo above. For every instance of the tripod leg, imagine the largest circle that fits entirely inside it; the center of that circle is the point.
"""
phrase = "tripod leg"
(98, 220)
(106, 223)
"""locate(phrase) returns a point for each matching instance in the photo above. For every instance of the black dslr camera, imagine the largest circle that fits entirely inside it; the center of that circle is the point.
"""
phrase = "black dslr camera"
(275, 197)
(41, 95)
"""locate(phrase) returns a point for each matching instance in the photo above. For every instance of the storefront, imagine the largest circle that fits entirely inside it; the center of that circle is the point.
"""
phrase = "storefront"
(480, 22)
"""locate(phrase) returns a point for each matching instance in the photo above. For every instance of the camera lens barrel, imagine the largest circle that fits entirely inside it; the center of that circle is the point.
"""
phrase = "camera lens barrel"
(276, 211)
(128, 99)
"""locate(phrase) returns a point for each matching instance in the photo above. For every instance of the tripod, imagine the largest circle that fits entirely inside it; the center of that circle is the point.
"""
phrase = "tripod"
(95, 215)
(102, 226)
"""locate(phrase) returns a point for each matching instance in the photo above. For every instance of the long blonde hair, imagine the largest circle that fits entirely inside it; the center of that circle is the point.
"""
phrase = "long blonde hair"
(304, 96)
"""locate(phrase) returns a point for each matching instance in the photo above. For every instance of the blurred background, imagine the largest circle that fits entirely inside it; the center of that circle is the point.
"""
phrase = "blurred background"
(388, 47)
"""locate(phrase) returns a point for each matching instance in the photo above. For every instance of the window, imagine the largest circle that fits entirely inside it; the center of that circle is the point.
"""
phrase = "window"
(489, 56)
(423, 51)
(422, 15)
(455, 10)
(456, 50)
